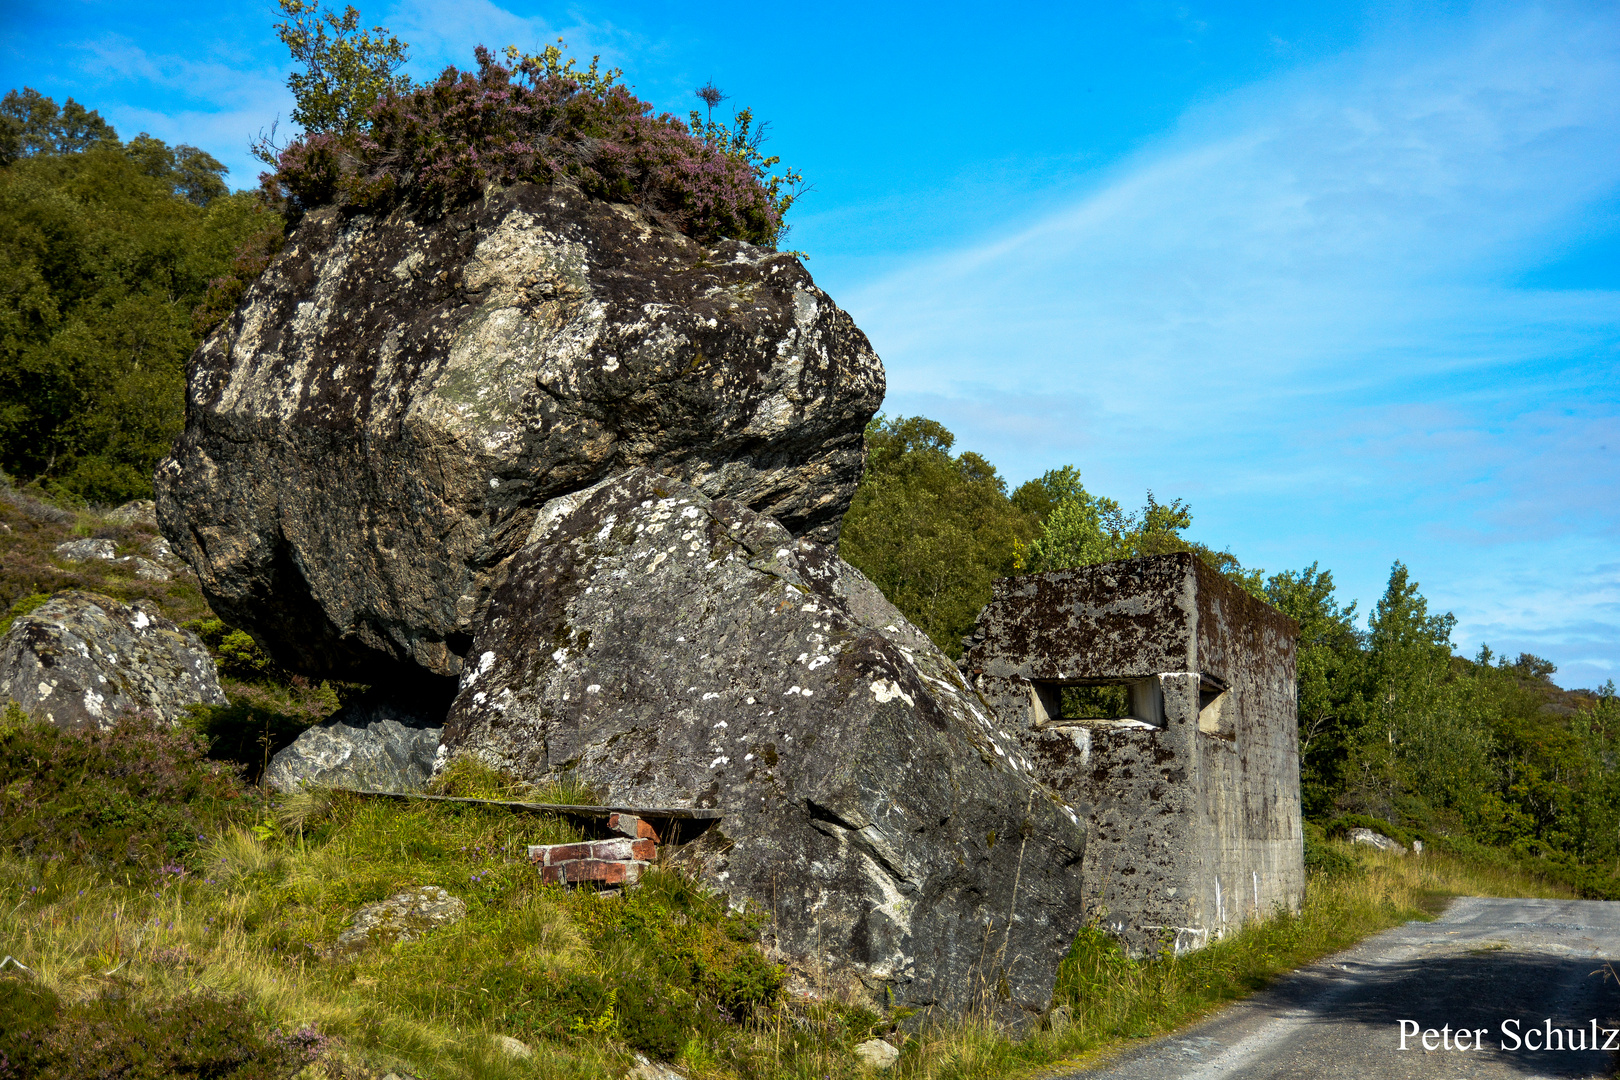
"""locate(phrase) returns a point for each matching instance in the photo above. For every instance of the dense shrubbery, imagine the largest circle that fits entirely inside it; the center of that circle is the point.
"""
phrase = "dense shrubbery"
(137, 799)
(1341, 827)
(540, 118)
(1325, 860)
(44, 1038)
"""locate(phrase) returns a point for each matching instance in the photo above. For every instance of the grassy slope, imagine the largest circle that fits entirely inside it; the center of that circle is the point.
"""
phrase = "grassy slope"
(587, 981)
(160, 901)
(31, 529)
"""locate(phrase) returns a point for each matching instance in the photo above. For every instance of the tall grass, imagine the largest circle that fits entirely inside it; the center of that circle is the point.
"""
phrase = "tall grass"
(587, 981)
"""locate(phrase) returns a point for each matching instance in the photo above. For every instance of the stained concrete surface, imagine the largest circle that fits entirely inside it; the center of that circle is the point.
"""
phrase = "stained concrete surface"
(1484, 962)
(1193, 801)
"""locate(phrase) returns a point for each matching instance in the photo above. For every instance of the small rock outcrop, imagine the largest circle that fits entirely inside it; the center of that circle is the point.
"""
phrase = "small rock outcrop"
(370, 745)
(405, 916)
(139, 512)
(371, 433)
(877, 1054)
(1375, 840)
(80, 659)
(85, 550)
(92, 549)
(671, 649)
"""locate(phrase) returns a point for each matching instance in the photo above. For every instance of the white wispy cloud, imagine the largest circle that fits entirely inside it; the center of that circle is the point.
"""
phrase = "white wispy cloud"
(1299, 308)
(444, 32)
(216, 102)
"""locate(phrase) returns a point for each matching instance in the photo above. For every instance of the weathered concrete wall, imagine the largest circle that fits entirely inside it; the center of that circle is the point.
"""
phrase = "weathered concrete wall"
(1194, 805)
(1249, 756)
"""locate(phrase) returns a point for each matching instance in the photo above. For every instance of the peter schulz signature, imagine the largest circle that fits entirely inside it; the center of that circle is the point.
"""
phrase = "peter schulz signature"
(1513, 1034)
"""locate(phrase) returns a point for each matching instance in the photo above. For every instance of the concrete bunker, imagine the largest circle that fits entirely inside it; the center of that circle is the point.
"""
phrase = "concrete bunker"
(1158, 700)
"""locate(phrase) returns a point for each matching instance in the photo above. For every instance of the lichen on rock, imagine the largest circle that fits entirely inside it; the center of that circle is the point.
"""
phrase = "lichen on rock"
(80, 659)
(371, 745)
(372, 431)
(405, 916)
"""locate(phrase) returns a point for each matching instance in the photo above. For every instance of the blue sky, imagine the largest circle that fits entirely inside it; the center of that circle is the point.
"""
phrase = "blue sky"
(1345, 277)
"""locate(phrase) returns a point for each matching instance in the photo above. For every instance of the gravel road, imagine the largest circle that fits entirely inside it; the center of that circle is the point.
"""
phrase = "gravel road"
(1482, 965)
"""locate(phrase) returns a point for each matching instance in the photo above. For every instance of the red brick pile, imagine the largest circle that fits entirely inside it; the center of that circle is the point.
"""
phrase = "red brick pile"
(620, 861)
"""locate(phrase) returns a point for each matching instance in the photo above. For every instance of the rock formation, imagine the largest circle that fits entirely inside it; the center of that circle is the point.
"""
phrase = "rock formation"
(79, 660)
(371, 745)
(405, 916)
(668, 648)
(372, 431)
(593, 470)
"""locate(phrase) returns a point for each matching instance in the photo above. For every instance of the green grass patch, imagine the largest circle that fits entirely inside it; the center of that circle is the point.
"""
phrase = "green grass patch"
(138, 800)
(249, 916)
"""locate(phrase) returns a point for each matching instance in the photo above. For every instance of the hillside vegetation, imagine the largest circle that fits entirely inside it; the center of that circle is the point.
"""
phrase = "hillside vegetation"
(107, 249)
(167, 917)
(173, 921)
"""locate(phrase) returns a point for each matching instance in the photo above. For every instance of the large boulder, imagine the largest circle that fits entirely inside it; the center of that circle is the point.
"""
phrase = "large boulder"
(80, 659)
(372, 431)
(671, 649)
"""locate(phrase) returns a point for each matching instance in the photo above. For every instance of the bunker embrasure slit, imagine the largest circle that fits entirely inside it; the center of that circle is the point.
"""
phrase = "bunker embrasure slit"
(1097, 701)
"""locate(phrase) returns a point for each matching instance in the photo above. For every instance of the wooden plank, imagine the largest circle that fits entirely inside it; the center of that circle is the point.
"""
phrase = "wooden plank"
(674, 813)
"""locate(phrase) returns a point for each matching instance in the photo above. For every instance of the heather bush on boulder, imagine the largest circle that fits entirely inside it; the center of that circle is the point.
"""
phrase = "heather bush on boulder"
(540, 118)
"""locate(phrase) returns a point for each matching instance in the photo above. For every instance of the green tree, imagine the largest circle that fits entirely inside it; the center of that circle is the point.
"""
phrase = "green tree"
(345, 70)
(1424, 742)
(105, 249)
(1078, 528)
(189, 173)
(931, 530)
(31, 124)
(1328, 666)
(1595, 810)
(1039, 497)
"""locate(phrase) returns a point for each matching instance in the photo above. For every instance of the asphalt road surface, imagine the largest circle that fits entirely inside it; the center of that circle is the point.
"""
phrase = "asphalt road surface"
(1484, 964)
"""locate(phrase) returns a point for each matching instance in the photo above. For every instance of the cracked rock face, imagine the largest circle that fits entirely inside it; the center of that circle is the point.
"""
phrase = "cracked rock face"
(671, 649)
(80, 659)
(373, 430)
